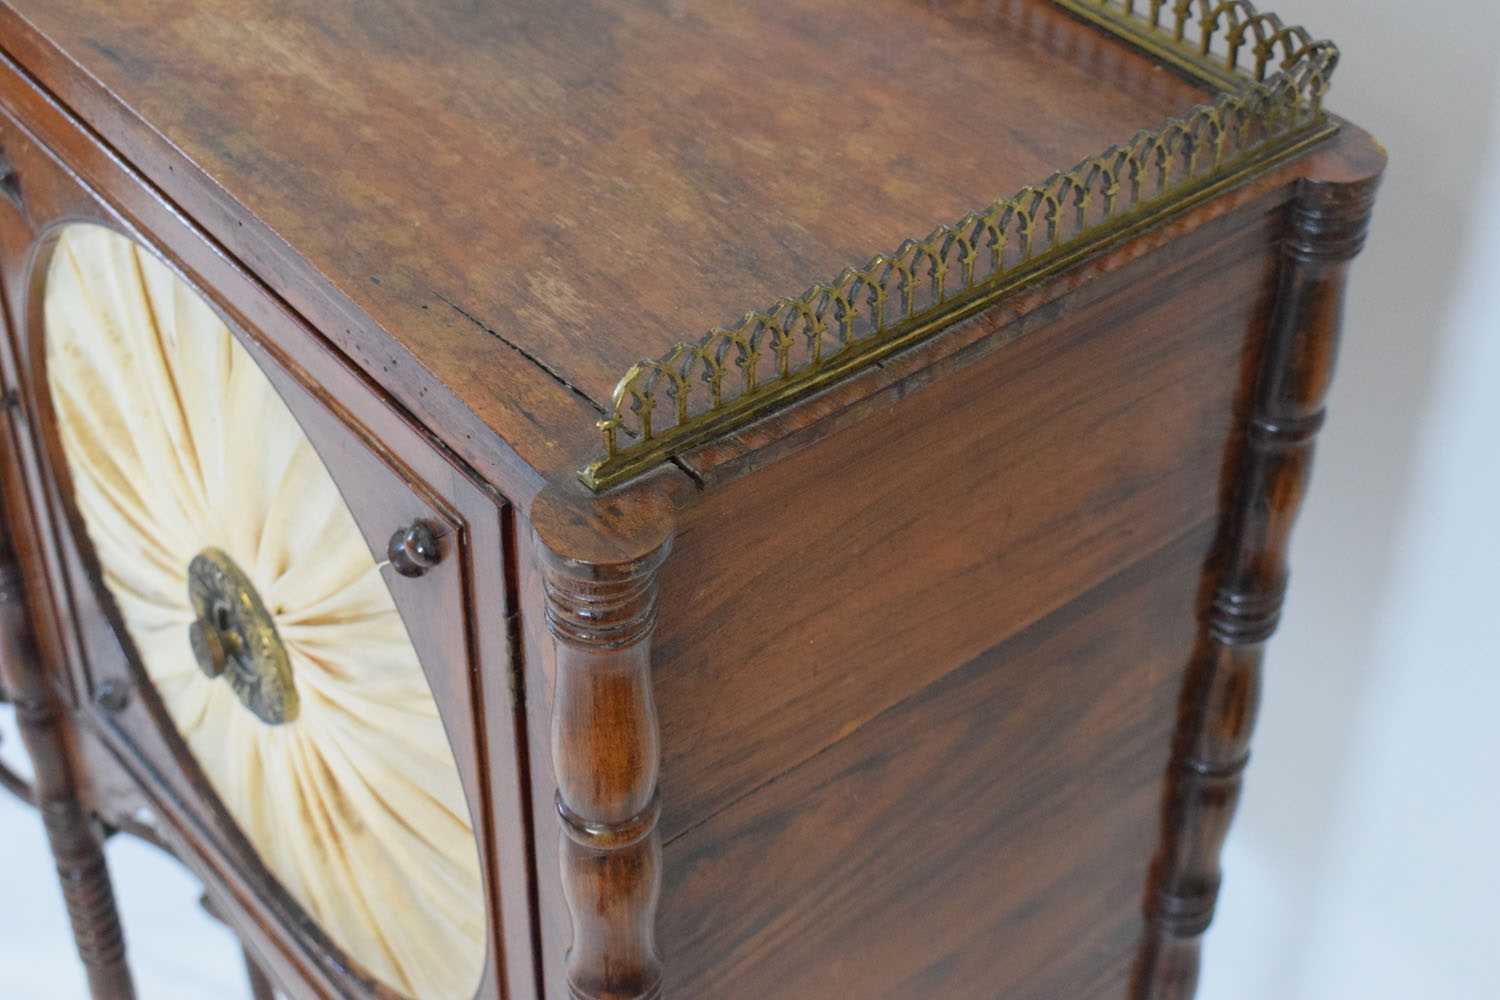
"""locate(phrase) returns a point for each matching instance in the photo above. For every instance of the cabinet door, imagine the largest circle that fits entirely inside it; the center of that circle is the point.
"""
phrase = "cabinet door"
(277, 580)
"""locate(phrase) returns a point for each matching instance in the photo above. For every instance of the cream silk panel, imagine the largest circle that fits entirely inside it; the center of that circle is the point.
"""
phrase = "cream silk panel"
(176, 442)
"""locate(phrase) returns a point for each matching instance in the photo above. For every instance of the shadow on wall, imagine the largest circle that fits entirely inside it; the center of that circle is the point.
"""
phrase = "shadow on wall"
(1425, 84)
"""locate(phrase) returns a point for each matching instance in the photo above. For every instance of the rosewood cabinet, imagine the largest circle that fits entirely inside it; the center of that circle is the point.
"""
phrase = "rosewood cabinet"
(384, 538)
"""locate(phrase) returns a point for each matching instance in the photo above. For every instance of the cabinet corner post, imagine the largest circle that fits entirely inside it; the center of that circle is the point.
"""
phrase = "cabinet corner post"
(72, 834)
(599, 561)
(1326, 226)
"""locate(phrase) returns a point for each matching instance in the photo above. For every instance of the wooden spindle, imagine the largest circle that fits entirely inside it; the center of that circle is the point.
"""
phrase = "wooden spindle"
(1326, 230)
(600, 571)
(76, 844)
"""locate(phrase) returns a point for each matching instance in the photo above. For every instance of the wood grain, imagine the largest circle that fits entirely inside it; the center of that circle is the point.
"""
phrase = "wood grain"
(923, 639)
(600, 574)
(390, 471)
(1325, 229)
(806, 598)
(986, 837)
(607, 178)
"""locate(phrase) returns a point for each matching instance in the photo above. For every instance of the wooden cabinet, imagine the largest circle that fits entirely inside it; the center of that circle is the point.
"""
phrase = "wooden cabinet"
(385, 541)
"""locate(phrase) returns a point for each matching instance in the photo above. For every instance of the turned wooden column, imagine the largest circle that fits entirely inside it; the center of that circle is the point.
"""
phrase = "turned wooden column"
(599, 563)
(1326, 229)
(75, 841)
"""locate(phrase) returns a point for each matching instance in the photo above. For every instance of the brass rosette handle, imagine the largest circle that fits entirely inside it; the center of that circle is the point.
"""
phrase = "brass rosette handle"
(234, 637)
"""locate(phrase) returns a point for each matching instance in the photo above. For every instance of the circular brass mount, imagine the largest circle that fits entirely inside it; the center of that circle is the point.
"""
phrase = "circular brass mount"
(235, 637)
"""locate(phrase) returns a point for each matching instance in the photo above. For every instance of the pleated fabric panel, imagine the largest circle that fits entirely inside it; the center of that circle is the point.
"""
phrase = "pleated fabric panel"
(177, 442)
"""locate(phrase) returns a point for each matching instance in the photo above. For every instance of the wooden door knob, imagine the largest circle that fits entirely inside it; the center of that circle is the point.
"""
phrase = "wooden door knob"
(414, 550)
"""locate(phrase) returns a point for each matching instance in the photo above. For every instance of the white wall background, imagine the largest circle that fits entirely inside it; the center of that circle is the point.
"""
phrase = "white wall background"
(1364, 861)
(176, 951)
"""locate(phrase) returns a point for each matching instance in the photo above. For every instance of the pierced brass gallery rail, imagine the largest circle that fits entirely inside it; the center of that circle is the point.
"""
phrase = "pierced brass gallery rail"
(1271, 78)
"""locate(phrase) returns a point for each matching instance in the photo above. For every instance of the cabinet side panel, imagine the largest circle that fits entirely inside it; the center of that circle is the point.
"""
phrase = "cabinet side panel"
(989, 836)
(919, 680)
(806, 598)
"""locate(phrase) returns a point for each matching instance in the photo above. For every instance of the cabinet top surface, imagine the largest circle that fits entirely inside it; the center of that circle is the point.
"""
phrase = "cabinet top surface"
(570, 186)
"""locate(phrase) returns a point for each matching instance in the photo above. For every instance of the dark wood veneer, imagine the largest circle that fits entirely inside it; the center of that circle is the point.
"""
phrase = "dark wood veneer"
(612, 177)
(600, 575)
(1325, 230)
(1019, 793)
(938, 683)
(391, 473)
(970, 504)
